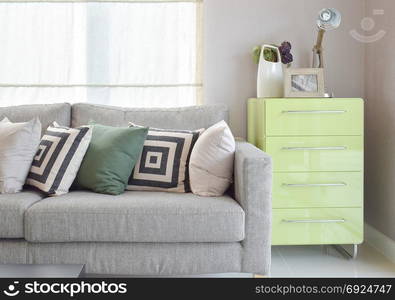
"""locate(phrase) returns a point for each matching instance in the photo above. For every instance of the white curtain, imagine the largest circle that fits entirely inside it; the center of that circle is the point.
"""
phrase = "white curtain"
(133, 53)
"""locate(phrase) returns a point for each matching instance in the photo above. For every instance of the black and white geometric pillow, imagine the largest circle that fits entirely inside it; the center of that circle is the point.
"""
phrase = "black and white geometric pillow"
(58, 158)
(163, 164)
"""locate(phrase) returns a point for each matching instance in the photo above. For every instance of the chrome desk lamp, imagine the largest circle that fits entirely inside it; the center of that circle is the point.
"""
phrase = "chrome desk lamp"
(328, 19)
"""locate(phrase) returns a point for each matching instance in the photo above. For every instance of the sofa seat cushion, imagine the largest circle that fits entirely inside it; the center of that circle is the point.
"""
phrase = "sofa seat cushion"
(12, 211)
(82, 216)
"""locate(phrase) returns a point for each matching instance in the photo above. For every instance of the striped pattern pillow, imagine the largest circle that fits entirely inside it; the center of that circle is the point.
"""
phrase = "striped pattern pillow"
(58, 158)
(163, 164)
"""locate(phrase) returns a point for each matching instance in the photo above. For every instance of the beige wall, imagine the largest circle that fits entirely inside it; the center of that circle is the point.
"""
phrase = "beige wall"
(380, 122)
(233, 27)
(354, 69)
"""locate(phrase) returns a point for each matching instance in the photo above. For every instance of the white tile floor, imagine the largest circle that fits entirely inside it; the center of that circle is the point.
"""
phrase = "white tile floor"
(325, 261)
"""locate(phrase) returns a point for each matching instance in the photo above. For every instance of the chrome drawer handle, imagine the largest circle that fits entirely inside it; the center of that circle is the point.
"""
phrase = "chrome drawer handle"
(314, 221)
(314, 184)
(314, 111)
(313, 148)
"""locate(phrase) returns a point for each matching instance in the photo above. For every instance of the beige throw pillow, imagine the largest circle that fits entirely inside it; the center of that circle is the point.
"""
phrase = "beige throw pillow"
(211, 162)
(18, 145)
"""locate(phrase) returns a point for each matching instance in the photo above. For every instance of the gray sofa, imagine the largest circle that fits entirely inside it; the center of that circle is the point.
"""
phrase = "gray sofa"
(142, 233)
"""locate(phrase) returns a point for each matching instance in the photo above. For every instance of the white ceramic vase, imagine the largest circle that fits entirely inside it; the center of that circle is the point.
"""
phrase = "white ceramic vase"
(270, 82)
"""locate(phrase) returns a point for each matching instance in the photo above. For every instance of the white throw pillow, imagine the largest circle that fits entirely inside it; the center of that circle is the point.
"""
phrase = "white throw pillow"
(58, 158)
(211, 162)
(18, 145)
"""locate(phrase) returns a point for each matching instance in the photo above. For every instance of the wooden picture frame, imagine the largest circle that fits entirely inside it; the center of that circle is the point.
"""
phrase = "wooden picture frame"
(304, 83)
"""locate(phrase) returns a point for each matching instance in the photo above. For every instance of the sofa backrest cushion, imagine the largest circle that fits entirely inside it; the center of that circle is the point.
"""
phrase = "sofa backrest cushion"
(47, 113)
(188, 118)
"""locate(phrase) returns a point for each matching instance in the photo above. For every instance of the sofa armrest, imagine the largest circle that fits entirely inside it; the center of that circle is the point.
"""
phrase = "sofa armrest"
(253, 191)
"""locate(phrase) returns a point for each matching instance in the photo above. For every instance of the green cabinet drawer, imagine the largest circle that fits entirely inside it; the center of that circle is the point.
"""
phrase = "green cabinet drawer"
(316, 189)
(317, 226)
(297, 117)
(308, 154)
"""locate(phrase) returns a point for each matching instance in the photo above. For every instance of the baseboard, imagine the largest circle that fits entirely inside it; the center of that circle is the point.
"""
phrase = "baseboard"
(380, 242)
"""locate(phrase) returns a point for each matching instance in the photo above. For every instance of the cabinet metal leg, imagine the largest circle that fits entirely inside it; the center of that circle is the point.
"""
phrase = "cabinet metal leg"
(350, 251)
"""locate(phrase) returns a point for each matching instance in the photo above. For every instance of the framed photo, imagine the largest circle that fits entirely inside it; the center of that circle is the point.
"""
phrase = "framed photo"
(304, 83)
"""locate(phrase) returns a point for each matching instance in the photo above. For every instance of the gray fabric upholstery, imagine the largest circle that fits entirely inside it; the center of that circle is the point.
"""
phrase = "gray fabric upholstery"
(47, 113)
(253, 187)
(13, 251)
(129, 258)
(82, 216)
(252, 255)
(176, 234)
(190, 118)
(142, 258)
(12, 210)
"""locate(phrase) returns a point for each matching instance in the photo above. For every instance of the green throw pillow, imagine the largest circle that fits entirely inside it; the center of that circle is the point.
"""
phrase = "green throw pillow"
(110, 159)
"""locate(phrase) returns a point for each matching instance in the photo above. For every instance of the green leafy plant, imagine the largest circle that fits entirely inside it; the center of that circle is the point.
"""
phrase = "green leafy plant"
(256, 52)
(271, 55)
(268, 53)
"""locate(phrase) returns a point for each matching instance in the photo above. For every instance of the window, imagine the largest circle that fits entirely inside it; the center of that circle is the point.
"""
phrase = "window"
(126, 53)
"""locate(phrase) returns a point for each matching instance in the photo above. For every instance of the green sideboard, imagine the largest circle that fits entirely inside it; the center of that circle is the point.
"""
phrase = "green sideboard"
(317, 146)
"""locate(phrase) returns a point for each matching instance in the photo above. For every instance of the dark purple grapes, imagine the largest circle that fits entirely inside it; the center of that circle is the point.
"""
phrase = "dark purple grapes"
(285, 51)
(285, 47)
(287, 58)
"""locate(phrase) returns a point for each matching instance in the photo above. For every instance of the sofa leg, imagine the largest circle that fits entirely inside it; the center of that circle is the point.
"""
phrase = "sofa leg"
(259, 276)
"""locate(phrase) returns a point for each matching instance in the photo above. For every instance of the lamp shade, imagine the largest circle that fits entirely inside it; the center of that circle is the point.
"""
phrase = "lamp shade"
(328, 19)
